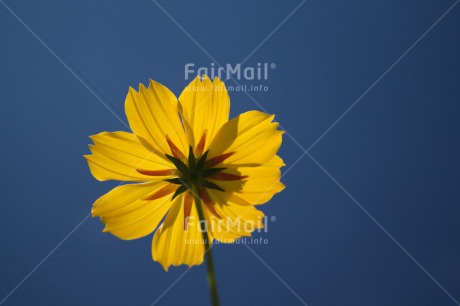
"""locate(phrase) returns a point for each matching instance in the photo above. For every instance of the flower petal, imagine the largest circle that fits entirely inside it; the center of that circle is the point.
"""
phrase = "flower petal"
(127, 214)
(205, 106)
(117, 155)
(275, 161)
(153, 115)
(252, 136)
(172, 244)
(261, 184)
(236, 220)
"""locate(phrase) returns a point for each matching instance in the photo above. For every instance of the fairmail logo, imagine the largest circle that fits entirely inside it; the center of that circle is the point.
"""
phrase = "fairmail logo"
(258, 72)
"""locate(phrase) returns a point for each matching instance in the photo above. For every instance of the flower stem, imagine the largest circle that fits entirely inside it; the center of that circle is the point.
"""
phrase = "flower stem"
(208, 254)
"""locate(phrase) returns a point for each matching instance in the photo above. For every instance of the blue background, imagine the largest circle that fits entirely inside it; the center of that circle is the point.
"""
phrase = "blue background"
(396, 152)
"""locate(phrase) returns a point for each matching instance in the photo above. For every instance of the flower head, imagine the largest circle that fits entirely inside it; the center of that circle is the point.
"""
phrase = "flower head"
(181, 150)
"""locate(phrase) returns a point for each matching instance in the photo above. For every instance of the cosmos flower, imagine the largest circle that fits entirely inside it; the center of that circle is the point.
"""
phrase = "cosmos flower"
(186, 159)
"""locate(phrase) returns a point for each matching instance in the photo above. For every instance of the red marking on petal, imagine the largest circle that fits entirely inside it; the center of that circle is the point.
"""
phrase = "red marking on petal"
(188, 203)
(221, 176)
(200, 147)
(156, 172)
(208, 203)
(218, 159)
(168, 189)
(175, 151)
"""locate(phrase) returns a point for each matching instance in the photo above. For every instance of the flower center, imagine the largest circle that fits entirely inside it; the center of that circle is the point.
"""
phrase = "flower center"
(193, 174)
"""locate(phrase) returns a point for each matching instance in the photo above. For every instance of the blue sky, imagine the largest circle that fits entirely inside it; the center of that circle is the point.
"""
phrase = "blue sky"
(368, 92)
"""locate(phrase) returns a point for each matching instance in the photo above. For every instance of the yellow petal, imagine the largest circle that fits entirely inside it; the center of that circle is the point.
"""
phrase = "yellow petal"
(205, 106)
(236, 220)
(259, 186)
(275, 161)
(116, 156)
(252, 136)
(172, 244)
(125, 212)
(153, 115)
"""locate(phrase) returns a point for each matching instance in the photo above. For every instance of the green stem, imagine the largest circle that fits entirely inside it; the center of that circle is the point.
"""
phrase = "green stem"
(208, 254)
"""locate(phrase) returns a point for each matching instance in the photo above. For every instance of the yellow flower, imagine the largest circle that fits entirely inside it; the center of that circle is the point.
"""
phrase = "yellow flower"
(181, 146)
